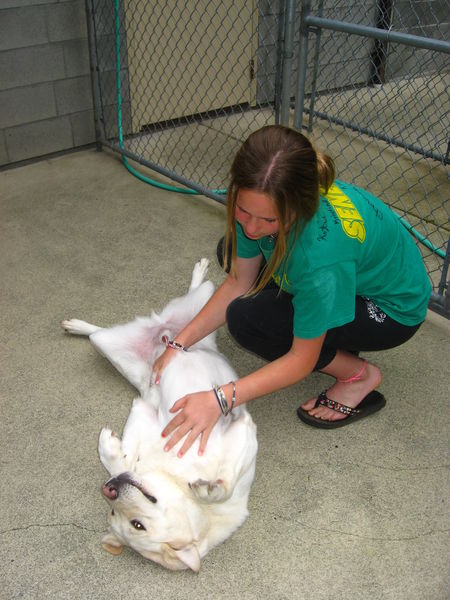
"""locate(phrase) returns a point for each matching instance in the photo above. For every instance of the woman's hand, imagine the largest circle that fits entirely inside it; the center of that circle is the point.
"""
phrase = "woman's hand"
(161, 363)
(197, 415)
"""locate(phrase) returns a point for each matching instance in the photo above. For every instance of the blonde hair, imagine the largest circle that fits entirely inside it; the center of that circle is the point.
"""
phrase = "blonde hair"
(281, 163)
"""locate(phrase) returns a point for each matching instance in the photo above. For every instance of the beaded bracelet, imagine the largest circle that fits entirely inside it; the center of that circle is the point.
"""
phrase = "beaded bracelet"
(173, 344)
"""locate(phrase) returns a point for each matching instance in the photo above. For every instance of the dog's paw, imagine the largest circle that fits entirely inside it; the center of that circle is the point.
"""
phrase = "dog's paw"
(199, 272)
(77, 327)
(110, 451)
(209, 491)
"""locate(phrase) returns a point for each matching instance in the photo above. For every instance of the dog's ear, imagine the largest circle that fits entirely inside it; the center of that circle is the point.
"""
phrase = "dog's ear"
(111, 544)
(188, 555)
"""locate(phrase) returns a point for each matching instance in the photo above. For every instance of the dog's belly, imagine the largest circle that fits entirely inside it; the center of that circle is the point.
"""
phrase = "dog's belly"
(197, 370)
(143, 445)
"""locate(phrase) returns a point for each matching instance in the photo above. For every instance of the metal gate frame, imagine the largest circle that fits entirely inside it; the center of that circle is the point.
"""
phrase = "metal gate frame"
(440, 300)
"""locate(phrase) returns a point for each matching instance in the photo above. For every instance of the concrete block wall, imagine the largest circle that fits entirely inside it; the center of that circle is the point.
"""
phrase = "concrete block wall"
(46, 101)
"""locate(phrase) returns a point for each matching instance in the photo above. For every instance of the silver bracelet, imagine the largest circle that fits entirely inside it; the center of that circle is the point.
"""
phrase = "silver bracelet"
(221, 400)
(233, 399)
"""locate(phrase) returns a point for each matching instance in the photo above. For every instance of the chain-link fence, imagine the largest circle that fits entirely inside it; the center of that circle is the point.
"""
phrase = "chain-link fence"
(179, 85)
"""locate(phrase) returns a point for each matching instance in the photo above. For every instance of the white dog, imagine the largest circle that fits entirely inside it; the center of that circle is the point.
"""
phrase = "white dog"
(172, 510)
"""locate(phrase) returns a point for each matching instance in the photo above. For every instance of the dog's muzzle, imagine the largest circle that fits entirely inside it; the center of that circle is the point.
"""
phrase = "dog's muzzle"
(111, 489)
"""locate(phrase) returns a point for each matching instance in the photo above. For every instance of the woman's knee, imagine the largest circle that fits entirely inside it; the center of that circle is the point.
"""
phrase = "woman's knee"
(235, 319)
(242, 327)
(251, 328)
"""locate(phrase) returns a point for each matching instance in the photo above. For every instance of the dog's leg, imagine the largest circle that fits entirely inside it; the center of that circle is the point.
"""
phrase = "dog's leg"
(130, 349)
(77, 327)
(210, 491)
(198, 274)
(141, 428)
(238, 465)
(110, 452)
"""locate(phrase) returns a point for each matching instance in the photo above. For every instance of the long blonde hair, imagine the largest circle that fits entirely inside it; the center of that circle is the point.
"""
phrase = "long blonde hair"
(281, 163)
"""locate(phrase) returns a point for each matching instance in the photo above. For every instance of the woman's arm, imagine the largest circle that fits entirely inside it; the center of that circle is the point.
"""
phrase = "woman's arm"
(199, 412)
(290, 368)
(213, 314)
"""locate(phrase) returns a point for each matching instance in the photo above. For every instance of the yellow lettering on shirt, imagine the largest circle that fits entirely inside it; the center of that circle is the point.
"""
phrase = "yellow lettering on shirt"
(351, 221)
(282, 284)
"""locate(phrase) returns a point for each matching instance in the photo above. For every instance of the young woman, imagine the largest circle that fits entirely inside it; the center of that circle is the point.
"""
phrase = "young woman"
(319, 270)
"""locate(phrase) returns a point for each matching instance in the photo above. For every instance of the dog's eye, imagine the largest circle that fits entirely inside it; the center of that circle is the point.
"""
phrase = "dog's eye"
(137, 525)
(112, 512)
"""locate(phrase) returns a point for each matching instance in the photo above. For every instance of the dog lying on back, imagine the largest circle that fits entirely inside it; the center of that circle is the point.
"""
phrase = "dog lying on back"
(171, 510)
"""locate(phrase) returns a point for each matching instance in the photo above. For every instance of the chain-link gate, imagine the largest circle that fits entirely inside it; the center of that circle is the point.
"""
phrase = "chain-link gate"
(179, 85)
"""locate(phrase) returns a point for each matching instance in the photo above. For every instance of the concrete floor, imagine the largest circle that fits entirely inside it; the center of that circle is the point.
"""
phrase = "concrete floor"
(360, 512)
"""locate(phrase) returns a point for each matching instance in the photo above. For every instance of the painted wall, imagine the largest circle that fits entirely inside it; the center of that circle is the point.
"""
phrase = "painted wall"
(45, 87)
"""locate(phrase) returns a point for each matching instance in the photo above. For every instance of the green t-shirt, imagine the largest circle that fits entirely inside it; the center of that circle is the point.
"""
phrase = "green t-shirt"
(353, 246)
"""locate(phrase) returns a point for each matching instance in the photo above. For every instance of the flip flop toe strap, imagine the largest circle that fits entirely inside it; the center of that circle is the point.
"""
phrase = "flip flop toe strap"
(337, 406)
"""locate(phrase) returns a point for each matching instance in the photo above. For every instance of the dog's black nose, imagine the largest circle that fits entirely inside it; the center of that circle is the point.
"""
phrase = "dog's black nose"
(110, 490)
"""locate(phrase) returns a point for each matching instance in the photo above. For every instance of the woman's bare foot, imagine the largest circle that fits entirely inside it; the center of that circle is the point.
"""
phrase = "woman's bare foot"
(350, 393)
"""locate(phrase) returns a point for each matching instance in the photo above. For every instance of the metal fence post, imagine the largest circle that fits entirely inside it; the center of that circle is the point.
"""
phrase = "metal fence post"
(318, 33)
(96, 90)
(302, 64)
(288, 55)
(279, 61)
(440, 300)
